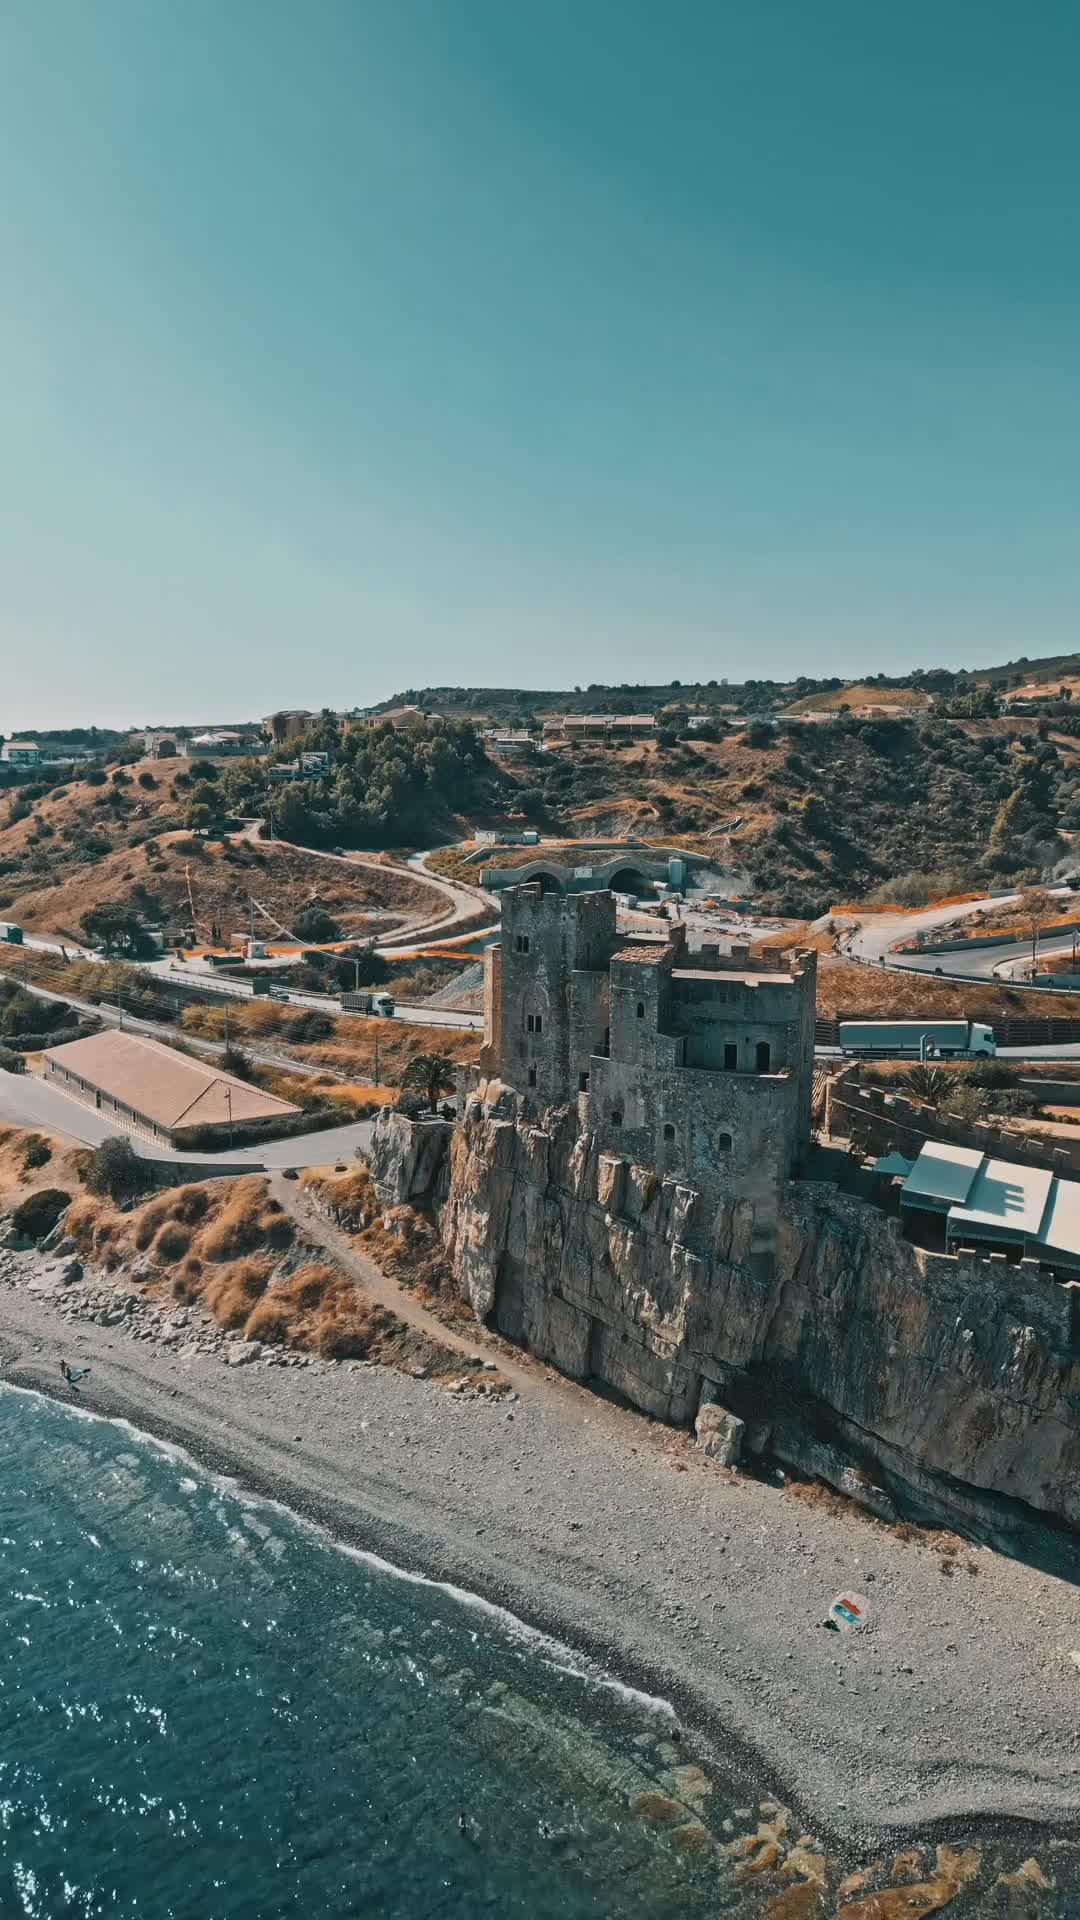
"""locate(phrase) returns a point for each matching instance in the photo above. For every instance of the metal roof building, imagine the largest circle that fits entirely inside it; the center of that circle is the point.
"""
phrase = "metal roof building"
(154, 1089)
(996, 1204)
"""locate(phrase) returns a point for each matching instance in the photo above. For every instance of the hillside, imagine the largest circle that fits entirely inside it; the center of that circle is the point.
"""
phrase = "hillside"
(882, 993)
(1015, 672)
(833, 812)
(82, 846)
(865, 693)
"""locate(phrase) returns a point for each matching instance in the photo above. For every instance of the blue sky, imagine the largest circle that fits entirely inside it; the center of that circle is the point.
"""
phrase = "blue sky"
(359, 344)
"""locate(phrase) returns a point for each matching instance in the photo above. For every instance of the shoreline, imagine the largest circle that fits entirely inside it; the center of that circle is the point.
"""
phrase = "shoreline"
(861, 1744)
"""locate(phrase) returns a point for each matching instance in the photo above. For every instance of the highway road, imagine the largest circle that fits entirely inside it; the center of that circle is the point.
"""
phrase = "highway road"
(168, 969)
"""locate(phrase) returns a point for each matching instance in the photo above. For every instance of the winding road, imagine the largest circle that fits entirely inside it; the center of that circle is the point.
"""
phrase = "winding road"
(873, 940)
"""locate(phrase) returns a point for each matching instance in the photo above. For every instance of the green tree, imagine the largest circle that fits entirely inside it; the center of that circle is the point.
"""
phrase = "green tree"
(432, 1074)
(114, 1169)
(317, 925)
(117, 928)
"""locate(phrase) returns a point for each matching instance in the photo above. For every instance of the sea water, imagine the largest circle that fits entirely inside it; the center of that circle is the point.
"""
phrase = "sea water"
(208, 1708)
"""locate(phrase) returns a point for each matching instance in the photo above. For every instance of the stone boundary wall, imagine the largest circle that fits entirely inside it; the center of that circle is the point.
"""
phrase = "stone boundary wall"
(876, 1122)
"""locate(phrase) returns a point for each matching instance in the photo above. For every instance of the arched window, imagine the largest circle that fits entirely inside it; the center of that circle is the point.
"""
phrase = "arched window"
(723, 1143)
(641, 1009)
(669, 1130)
(616, 1115)
(763, 1056)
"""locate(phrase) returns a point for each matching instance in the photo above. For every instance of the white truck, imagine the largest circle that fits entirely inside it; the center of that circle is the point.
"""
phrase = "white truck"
(381, 1004)
(917, 1039)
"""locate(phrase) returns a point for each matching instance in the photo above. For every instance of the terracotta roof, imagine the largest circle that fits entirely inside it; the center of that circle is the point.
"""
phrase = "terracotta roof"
(655, 956)
(162, 1086)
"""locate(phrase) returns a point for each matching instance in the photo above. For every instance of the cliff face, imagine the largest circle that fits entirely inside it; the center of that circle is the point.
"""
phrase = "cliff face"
(951, 1385)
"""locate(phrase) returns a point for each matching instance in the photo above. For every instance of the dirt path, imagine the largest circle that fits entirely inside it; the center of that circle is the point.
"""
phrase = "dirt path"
(389, 1293)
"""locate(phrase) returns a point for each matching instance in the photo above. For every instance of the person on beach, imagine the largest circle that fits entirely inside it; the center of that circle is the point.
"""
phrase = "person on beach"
(66, 1371)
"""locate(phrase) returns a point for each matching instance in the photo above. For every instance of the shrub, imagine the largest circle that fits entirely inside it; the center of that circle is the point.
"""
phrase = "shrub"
(315, 923)
(249, 1221)
(10, 1062)
(190, 1204)
(38, 1214)
(172, 1243)
(114, 1169)
(150, 1219)
(232, 1293)
(147, 780)
(36, 1152)
(235, 1061)
(310, 1025)
(95, 777)
(187, 1281)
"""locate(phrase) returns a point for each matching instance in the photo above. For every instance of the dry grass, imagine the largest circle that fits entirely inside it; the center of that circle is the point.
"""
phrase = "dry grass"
(211, 1224)
(319, 1308)
(405, 1244)
(231, 1292)
(350, 1196)
(887, 994)
(171, 1243)
(864, 694)
(226, 1246)
(351, 1048)
(250, 1220)
(23, 1169)
(283, 878)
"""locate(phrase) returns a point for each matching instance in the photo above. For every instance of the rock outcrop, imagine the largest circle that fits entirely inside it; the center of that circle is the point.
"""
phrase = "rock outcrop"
(949, 1387)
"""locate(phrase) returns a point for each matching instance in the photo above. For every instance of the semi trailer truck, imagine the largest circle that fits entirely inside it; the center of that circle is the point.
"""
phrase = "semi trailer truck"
(917, 1039)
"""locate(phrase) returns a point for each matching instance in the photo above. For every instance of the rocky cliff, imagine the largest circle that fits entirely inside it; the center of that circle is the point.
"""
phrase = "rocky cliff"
(948, 1387)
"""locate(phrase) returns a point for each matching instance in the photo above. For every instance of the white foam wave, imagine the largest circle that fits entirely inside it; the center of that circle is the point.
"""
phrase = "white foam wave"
(553, 1652)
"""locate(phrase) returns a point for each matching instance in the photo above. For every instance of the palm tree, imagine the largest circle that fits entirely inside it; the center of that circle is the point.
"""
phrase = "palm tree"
(929, 1084)
(433, 1073)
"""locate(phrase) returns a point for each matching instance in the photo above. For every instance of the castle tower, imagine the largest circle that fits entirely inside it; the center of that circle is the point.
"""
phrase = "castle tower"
(553, 990)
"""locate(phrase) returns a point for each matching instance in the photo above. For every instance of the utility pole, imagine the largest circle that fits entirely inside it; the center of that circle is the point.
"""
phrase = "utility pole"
(376, 1053)
(228, 1103)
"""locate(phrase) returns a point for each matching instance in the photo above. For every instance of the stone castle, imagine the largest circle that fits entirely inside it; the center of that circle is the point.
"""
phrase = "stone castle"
(695, 1065)
(624, 1193)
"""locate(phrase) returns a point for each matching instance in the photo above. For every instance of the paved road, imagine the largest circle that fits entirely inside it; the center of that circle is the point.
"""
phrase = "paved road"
(26, 1101)
(165, 968)
(412, 1015)
(872, 941)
